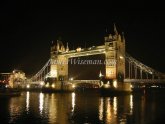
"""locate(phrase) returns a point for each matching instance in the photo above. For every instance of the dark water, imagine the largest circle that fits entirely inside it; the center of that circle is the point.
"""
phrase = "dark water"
(83, 108)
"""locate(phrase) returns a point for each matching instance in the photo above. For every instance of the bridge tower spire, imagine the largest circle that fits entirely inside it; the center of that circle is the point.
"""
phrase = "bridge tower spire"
(67, 47)
(115, 29)
(100, 74)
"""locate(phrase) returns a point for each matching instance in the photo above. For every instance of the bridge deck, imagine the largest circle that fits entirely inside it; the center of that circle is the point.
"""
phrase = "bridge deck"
(145, 80)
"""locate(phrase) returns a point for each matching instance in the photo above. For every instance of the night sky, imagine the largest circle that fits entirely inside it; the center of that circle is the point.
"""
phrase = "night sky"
(27, 30)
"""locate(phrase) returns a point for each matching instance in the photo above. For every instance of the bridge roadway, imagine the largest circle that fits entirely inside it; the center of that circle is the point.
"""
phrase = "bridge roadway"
(145, 80)
(97, 82)
(125, 80)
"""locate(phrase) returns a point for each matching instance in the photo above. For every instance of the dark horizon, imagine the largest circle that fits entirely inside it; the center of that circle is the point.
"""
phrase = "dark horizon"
(27, 32)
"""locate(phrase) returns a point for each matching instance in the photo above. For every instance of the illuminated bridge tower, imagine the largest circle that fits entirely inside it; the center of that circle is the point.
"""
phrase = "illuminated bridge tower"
(115, 61)
(115, 56)
(59, 65)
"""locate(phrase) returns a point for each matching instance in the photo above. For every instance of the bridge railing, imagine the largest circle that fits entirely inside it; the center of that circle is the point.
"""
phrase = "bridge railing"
(143, 67)
(41, 74)
(145, 80)
(85, 81)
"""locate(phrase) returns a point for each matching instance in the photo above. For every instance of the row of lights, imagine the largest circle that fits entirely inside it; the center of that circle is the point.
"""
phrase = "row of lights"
(3, 81)
(108, 84)
(47, 85)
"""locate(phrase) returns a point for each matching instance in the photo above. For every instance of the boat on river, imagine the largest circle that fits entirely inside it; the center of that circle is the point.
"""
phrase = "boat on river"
(113, 92)
(5, 91)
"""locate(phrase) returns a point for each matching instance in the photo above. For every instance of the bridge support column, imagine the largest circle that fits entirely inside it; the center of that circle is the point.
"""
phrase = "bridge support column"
(141, 73)
(152, 76)
(147, 75)
(135, 68)
(129, 70)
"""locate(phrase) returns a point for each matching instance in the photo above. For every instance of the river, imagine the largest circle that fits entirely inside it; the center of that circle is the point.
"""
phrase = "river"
(83, 108)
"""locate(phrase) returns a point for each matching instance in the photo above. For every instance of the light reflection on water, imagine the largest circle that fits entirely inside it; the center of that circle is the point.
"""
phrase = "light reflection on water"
(73, 101)
(131, 104)
(101, 108)
(108, 109)
(80, 108)
(41, 102)
(115, 105)
(15, 109)
(27, 101)
(52, 108)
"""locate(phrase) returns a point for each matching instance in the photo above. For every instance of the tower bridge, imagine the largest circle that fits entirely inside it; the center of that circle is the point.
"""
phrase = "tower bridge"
(120, 67)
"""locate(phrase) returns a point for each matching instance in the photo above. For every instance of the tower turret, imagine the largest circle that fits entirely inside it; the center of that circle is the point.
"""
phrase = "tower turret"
(67, 47)
(115, 30)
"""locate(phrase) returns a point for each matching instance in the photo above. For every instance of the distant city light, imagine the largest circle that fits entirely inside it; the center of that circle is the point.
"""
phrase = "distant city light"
(121, 57)
(47, 85)
(73, 86)
(53, 85)
(41, 83)
(115, 83)
(71, 78)
(7, 86)
(28, 86)
(78, 49)
(106, 86)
